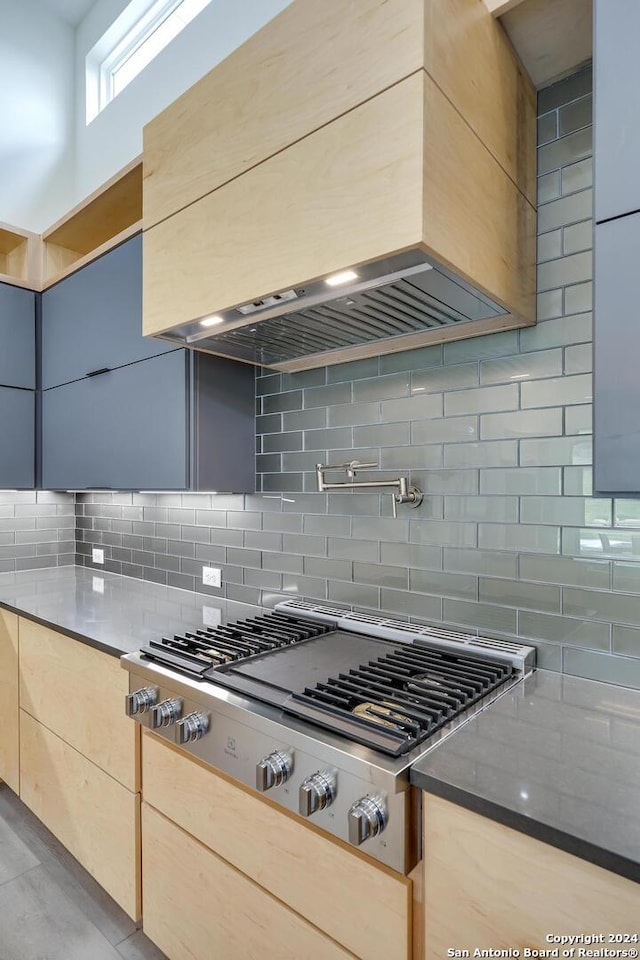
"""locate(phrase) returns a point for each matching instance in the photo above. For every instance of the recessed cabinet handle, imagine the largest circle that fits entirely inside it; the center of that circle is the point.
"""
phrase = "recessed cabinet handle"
(96, 373)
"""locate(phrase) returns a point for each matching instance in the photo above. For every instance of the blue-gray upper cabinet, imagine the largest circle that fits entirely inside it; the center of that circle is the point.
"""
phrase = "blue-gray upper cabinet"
(174, 422)
(17, 337)
(616, 351)
(92, 319)
(17, 438)
(124, 429)
(616, 107)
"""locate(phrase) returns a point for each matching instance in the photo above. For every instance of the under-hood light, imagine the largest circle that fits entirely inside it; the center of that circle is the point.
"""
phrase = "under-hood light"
(339, 278)
(211, 321)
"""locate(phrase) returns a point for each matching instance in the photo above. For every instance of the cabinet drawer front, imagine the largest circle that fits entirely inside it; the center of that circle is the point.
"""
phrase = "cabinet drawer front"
(91, 814)
(18, 337)
(17, 438)
(197, 907)
(79, 693)
(9, 720)
(488, 886)
(126, 429)
(282, 855)
(298, 73)
(93, 319)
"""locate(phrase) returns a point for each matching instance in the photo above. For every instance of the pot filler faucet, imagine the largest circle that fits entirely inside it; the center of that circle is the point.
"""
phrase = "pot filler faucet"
(400, 490)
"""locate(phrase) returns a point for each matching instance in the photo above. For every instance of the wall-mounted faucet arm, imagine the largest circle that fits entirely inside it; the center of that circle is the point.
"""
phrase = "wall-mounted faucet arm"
(400, 490)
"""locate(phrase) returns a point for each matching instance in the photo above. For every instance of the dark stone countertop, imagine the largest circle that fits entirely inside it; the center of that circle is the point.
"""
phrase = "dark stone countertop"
(556, 757)
(112, 613)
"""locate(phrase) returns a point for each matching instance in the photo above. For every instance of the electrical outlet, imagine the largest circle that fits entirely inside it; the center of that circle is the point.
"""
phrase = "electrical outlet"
(98, 585)
(97, 555)
(211, 616)
(212, 576)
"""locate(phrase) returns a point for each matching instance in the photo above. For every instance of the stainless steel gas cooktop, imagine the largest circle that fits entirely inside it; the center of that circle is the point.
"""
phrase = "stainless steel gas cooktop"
(325, 709)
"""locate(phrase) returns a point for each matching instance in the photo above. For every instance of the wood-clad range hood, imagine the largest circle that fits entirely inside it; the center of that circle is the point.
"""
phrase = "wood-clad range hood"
(388, 141)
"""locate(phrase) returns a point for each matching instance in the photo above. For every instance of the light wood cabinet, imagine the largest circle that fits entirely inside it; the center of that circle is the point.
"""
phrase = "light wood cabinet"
(403, 182)
(361, 905)
(80, 756)
(340, 134)
(92, 815)
(19, 257)
(78, 693)
(486, 885)
(104, 219)
(9, 686)
(197, 906)
(302, 70)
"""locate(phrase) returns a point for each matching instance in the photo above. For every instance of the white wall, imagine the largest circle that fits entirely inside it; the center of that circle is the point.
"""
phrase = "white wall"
(115, 136)
(36, 115)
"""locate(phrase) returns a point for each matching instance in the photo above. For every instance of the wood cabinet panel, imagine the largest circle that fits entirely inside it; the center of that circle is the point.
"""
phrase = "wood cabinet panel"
(91, 814)
(9, 687)
(20, 257)
(197, 907)
(280, 854)
(78, 693)
(301, 71)
(107, 217)
(468, 219)
(470, 58)
(404, 182)
(327, 203)
(486, 885)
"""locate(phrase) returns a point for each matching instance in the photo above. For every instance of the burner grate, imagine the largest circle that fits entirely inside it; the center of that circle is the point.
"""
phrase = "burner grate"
(196, 653)
(396, 701)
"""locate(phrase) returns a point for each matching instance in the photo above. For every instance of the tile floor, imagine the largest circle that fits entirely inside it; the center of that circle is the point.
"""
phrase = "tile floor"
(50, 908)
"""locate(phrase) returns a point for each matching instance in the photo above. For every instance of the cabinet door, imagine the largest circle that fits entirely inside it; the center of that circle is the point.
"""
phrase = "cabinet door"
(17, 438)
(91, 814)
(126, 429)
(488, 887)
(17, 337)
(78, 693)
(616, 350)
(93, 319)
(9, 737)
(616, 107)
(197, 906)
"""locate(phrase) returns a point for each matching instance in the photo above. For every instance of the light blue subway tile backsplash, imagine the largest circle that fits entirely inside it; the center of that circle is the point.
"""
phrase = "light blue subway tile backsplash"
(529, 366)
(483, 400)
(496, 432)
(557, 391)
(522, 480)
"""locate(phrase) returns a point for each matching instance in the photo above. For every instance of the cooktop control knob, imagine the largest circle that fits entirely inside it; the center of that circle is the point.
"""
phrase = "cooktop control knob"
(141, 701)
(317, 792)
(166, 713)
(274, 770)
(193, 727)
(367, 818)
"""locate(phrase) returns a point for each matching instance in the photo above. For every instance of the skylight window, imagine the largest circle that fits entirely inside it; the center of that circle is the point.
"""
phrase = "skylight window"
(128, 47)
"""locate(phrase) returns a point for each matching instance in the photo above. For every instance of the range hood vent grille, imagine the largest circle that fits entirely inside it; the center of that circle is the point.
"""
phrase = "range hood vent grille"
(390, 305)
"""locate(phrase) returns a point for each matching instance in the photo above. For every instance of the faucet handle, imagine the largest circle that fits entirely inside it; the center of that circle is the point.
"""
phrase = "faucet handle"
(352, 465)
(410, 495)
